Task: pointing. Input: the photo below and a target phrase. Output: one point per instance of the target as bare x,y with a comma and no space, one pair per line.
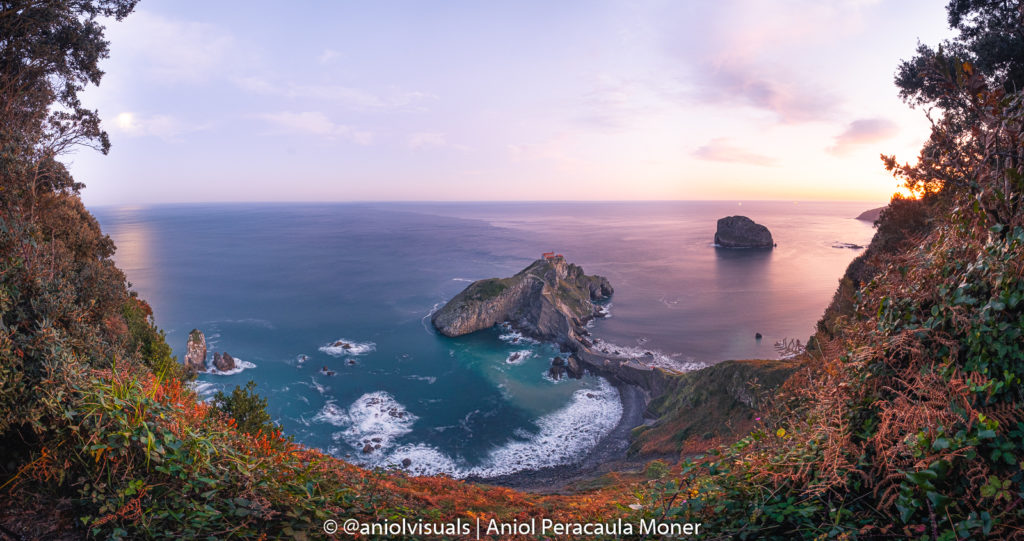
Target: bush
248,409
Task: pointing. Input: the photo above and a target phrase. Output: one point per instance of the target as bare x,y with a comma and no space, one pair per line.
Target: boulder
223,362
742,232
573,368
195,352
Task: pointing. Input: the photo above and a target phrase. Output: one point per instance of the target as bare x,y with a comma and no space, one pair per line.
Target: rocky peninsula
742,232
550,300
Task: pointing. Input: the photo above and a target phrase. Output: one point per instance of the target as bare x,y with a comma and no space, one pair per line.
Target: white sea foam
564,436
429,379
240,365
204,389
518,357
650,357
338,348
462,280
546,374
314,384
375,419
423,460
425,320
332,414
513,336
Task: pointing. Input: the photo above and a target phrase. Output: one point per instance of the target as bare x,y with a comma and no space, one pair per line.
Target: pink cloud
721,150
863,131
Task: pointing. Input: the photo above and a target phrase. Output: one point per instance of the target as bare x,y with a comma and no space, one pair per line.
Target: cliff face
550,300
699,410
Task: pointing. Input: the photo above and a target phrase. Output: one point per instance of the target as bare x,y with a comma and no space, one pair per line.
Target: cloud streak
390,100
752,53
425,140
721,150
175,51
315,123
862,132
165,127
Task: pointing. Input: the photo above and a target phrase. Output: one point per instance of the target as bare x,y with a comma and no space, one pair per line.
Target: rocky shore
604,457
552,300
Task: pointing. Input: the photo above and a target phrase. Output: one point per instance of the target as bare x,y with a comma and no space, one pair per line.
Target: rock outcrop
195,352
223,362
742,232
551,300
871,215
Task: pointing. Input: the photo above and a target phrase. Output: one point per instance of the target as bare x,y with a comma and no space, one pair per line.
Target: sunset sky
567,100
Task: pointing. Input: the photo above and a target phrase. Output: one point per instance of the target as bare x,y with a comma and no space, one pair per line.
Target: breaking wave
518,357
240,365
512,336
342,347
204,389
650,357
563,437
372,423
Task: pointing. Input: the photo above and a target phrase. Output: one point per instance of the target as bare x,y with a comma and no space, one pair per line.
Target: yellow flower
781,432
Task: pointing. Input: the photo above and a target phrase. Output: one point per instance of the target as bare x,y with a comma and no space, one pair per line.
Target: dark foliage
248,409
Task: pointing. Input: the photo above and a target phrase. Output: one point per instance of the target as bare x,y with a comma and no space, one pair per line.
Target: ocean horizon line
472,202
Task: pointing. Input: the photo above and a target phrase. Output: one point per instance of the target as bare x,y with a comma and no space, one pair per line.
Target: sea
279,285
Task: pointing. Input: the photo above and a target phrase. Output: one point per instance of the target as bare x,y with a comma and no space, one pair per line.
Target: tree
49,51
960,82
247,408
990,36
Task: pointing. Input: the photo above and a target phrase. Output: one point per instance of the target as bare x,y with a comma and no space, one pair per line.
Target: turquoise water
277,285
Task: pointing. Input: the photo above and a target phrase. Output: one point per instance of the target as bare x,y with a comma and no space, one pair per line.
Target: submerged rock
550,300
742,232
195,352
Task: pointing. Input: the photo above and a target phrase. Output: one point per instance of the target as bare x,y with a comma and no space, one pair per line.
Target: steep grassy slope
703,409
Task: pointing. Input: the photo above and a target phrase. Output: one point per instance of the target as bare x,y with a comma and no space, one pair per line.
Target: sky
505,101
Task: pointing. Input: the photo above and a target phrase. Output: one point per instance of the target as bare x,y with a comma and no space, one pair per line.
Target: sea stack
195,352
223,363
742,232
550,300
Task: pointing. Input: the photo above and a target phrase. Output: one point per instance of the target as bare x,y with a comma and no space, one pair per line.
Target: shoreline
609,450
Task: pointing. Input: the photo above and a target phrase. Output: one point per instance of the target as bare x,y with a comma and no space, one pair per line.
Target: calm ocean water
276,285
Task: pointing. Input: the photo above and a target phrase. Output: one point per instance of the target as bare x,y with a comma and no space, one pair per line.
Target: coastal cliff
550,300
